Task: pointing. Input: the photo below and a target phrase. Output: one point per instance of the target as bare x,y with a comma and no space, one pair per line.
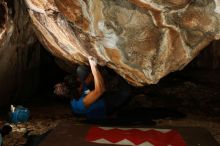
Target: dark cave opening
50,74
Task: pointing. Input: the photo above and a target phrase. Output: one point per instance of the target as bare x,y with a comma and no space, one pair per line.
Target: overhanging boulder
142,40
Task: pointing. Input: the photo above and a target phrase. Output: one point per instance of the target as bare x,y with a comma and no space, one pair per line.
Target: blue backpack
20,115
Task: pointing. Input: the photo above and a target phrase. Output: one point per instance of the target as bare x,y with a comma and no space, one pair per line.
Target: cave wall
19,53
216,55
209,59
205,68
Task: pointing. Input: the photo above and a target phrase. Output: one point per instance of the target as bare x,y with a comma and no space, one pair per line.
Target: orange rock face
142,40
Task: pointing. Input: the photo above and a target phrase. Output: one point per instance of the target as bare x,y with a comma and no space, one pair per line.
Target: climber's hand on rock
92,61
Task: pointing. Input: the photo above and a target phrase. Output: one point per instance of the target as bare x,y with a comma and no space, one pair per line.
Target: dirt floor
172,102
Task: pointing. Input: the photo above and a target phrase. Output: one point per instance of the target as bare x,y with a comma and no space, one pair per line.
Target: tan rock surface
141,40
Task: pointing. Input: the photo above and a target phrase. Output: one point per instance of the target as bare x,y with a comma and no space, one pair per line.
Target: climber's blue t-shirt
96,109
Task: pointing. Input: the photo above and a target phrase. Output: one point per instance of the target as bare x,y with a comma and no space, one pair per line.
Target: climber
99,101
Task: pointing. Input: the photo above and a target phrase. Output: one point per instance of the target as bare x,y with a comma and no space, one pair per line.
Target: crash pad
68,134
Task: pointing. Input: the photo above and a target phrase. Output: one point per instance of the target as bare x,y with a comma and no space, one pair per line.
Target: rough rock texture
142,40
19,58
